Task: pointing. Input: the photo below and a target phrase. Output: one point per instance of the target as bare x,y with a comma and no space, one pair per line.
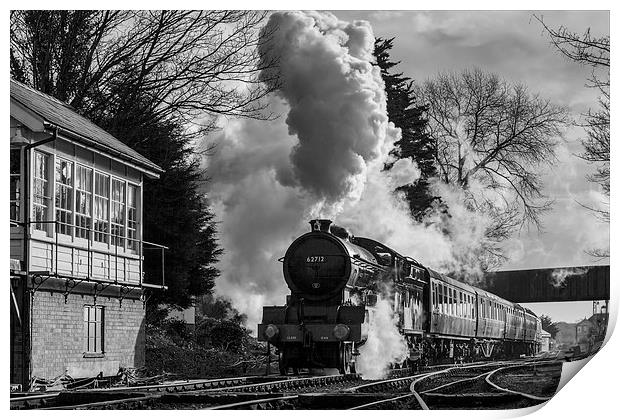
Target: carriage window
439,296
465,305
460,303
445,299
452,302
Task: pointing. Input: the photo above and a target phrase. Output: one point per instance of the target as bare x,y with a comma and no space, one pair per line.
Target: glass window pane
15,161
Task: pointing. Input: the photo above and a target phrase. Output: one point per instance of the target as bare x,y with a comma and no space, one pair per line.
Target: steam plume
384,345
269,178
337,103
559,275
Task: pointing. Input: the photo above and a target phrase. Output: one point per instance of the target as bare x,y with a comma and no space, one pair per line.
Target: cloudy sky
262,207
512,44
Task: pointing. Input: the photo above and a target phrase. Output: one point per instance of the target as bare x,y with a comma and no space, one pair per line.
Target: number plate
316,259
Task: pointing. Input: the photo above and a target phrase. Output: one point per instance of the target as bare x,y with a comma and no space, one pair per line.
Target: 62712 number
316,259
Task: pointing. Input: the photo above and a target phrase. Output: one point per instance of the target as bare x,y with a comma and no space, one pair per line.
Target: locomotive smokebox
320,225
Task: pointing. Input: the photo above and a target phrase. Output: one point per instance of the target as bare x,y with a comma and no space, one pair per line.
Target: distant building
599,325
583,330
590,333
566,335
76,244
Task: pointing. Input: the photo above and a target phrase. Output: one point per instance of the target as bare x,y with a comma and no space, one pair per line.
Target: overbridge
564,284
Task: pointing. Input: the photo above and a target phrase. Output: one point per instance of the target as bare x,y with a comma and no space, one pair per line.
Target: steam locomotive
336,280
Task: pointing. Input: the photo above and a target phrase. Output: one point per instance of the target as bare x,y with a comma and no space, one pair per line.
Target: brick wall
58,341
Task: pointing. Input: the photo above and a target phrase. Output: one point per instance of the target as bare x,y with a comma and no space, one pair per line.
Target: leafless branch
496,135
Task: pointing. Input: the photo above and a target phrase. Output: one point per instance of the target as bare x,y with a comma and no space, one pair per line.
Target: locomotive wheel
346,363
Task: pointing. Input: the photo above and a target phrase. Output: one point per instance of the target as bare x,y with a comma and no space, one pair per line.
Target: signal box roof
57,113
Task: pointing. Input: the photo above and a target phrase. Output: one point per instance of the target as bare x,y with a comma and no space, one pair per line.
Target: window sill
94,355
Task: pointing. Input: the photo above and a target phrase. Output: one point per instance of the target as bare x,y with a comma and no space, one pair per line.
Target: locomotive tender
335,281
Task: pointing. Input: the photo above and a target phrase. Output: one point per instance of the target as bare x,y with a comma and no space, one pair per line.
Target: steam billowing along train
336,280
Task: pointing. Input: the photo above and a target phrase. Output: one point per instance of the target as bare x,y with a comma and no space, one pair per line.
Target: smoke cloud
268,178
337,103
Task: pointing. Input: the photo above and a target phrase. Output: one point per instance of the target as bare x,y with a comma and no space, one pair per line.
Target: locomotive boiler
335,280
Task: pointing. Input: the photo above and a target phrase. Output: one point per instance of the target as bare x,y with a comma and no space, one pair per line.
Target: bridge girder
563,284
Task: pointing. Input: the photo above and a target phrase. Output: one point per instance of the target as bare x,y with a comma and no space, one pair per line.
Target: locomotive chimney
320,225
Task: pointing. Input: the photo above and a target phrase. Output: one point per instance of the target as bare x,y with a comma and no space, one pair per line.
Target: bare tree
492,140
187,63
591,51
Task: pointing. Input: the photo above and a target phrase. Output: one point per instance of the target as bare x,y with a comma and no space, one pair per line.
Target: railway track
47,399
483,385
196,393
481,390
414,388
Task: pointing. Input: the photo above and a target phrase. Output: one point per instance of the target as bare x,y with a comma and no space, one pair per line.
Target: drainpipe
27,213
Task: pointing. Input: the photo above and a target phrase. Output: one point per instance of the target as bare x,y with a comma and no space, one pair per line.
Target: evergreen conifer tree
409,117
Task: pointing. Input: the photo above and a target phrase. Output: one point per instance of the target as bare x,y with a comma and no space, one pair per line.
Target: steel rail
106,404
195,385
388,400
251,402
36,401
473,378
512,391
290,383
390,383
29,400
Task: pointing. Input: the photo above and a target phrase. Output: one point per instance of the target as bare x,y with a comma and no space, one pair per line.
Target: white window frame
15,186
66,227
119,241
133,233
94,338
104,234
47,196
83,231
